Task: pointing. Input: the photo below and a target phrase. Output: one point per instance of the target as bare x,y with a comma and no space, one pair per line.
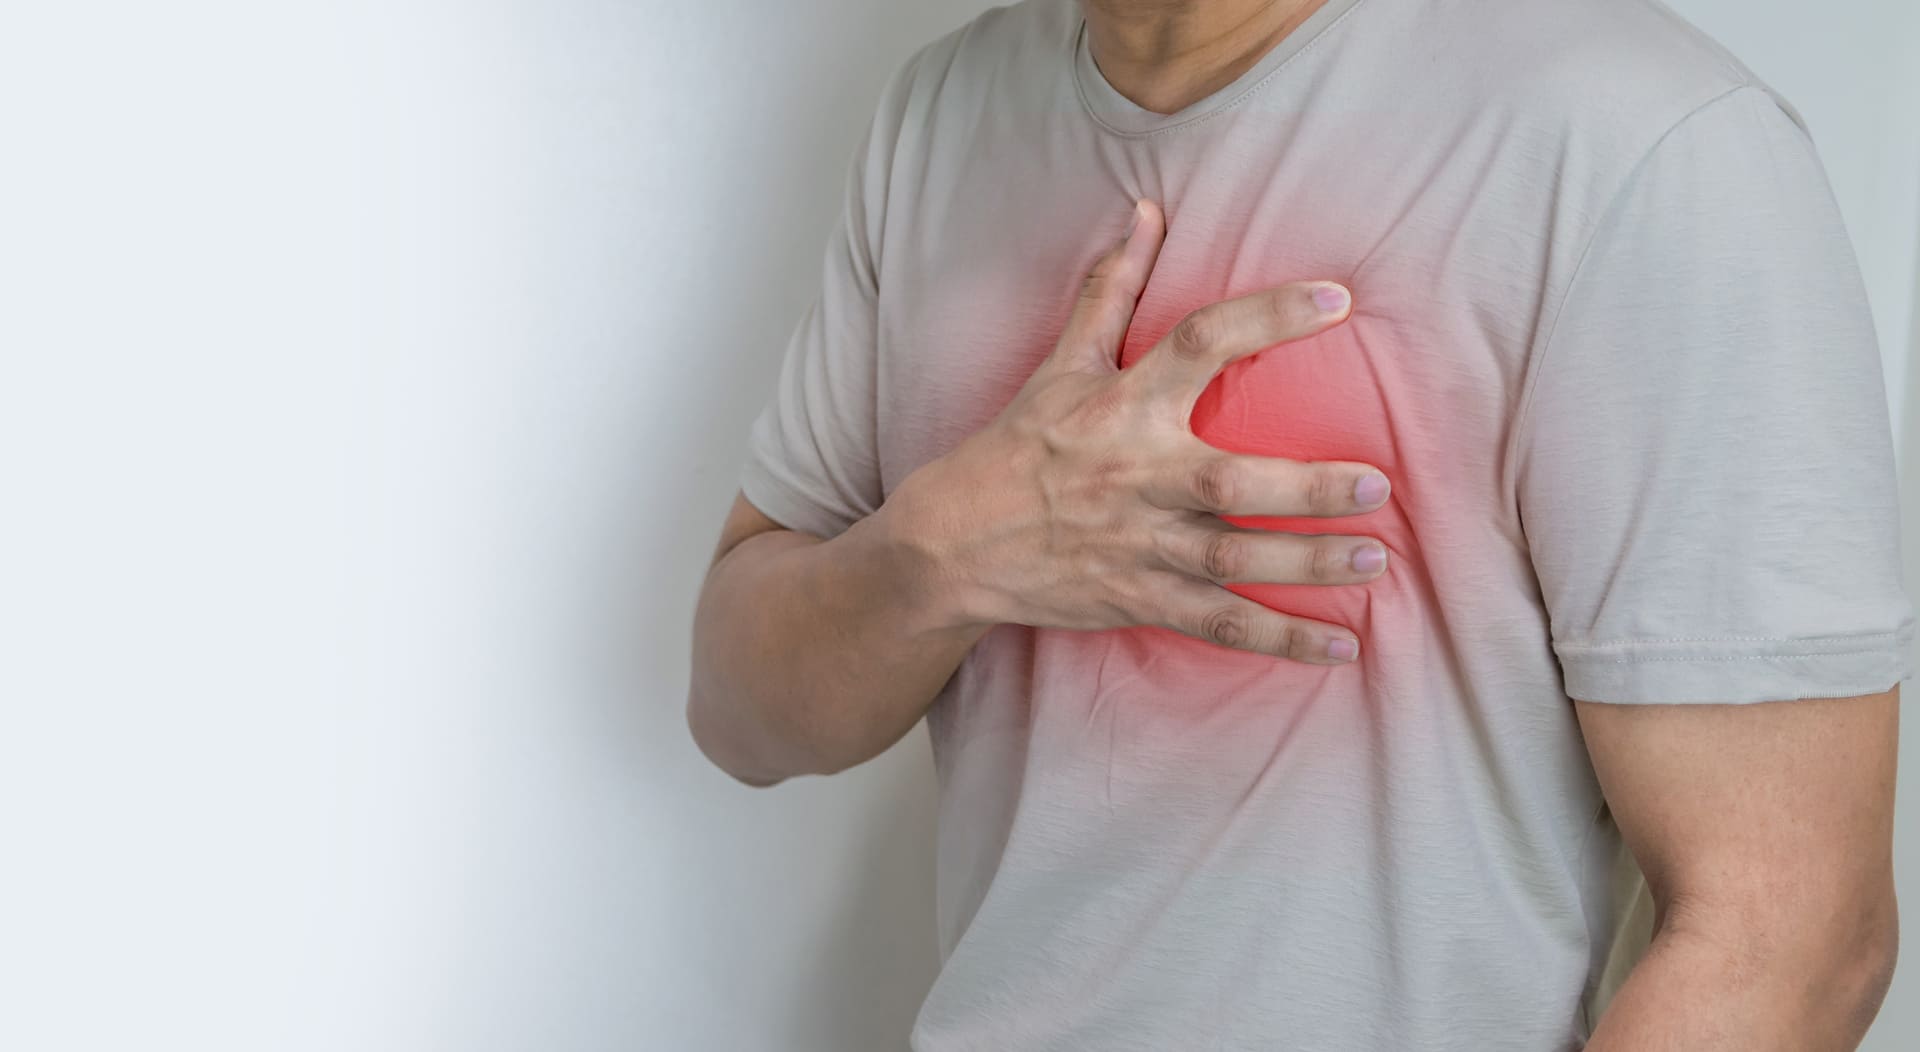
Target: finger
1209,612
1223,553
1100,317
1225,483
1178,368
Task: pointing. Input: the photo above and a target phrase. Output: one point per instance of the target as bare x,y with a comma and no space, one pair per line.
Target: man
1544,309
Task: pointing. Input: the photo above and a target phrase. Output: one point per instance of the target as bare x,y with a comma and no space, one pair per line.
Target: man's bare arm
810,656
1765,833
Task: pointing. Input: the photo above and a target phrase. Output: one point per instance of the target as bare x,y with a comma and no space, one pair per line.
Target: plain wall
376,376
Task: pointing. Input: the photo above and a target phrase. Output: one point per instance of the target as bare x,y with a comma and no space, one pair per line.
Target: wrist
914,533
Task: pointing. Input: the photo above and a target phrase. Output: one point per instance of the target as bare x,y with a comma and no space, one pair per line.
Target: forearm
1711,986
812,656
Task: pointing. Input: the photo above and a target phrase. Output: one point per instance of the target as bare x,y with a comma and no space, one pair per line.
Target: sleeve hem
1737,671
786,505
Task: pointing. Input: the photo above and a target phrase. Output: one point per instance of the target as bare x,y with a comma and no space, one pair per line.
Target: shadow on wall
798,917
876,953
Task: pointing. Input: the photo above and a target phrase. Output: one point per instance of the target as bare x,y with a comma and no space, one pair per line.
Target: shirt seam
1674,659
1664,640
1810,650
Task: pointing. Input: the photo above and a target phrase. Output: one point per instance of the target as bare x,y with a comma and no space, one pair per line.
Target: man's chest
1424,372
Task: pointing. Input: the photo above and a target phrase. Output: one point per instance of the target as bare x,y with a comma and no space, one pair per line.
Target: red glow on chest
1322,398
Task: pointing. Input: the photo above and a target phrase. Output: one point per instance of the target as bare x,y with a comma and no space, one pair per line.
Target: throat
1166,55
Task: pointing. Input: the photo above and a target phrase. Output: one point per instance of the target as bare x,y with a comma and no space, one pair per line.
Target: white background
375,379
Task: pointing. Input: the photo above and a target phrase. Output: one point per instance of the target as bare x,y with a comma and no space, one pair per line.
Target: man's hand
1089,503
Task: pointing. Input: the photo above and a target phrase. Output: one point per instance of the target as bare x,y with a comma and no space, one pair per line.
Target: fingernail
1370,490
1132,221
1369,558
1343,649
1331,299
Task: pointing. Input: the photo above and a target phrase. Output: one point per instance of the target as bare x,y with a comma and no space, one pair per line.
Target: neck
1165,55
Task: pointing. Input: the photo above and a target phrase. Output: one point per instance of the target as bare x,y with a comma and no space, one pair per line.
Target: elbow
1874,952
722,751
1831,955
1858,943
760,756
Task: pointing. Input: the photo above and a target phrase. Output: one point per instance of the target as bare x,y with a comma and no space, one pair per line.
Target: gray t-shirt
1610,344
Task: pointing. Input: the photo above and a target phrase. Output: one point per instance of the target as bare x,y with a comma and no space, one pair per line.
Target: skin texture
1766,833
811,656
1164,55
1765,830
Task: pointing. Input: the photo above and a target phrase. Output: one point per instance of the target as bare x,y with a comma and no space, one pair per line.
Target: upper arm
1705,480
1776,816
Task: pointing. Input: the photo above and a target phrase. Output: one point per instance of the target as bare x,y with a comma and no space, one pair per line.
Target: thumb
1098,324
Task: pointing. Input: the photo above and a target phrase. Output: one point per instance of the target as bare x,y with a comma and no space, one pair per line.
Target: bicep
1779,809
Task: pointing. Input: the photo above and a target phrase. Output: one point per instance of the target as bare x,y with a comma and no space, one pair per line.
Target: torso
1149,841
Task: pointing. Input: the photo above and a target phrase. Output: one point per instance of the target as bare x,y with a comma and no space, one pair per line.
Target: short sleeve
812,461
1705,467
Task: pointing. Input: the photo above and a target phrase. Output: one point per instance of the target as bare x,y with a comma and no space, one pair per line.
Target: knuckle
1225,625
1145,599
1322,566
1284,305
1098,280
1194,336
1217,485
1293,641
1323,491
1224,556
